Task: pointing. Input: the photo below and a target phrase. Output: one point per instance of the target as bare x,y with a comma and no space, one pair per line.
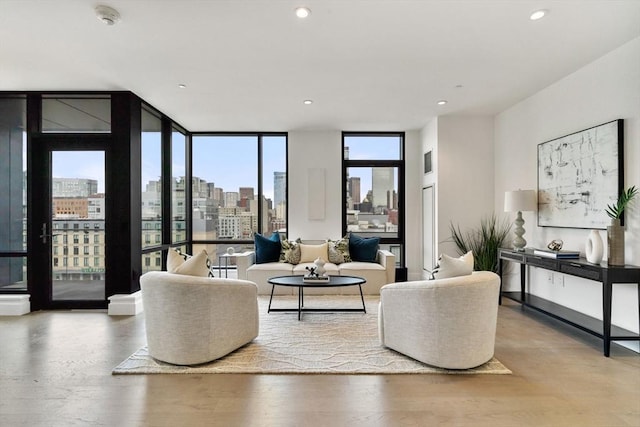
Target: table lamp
519,201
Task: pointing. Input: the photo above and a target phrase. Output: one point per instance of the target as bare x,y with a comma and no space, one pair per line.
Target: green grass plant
483,242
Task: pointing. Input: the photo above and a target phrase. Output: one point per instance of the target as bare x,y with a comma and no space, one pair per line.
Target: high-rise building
382,183
231,199
354,191
247,193
279,189
73,187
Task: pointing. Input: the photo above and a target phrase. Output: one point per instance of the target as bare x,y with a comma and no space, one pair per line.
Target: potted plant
483,242
615,232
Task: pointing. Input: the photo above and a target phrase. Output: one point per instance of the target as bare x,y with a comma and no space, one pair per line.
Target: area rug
321,343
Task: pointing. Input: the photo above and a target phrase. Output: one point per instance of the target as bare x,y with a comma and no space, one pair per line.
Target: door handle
44,234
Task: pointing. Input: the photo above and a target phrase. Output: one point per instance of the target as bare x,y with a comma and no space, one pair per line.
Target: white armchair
191,320
448,323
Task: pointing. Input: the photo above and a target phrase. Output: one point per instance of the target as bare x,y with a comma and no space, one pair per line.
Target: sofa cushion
348,268
339,250
363,249
267,249
309,253
453,267
197,265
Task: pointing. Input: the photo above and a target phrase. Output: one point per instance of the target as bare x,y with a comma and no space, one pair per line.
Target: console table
603,273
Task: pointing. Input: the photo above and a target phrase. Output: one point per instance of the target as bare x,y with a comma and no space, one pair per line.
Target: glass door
69,212
77,225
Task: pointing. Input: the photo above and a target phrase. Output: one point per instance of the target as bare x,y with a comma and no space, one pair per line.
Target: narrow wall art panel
579,175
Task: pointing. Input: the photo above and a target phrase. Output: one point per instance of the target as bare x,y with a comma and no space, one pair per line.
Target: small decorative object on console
230,250
555,245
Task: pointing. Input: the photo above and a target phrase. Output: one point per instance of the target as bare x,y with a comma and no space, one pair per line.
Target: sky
228,161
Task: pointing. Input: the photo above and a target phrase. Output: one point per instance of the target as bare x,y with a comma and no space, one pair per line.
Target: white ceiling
368,65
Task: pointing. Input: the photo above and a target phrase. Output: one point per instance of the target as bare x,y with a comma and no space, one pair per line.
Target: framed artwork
579,175
427,162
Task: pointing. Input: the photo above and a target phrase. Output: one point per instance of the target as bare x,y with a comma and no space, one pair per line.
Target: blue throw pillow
267,249
363,249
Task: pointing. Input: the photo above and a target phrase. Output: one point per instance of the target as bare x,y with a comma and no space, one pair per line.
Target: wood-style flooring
55,370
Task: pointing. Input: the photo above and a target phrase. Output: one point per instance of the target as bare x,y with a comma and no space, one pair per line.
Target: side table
226,258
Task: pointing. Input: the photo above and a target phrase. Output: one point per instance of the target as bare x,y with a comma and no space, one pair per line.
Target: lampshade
520,200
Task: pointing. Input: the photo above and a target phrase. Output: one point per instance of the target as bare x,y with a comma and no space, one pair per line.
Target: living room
476,159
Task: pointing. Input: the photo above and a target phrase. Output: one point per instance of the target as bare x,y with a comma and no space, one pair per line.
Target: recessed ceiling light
538,14
303,12
307,102
107,15
182,86
442,102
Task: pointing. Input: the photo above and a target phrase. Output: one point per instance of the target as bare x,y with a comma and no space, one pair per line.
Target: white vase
319,263
594,247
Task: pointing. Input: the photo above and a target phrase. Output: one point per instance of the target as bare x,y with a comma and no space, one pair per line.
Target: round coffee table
298,282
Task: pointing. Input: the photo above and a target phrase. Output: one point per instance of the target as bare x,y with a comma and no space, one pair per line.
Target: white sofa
377,274
449,323
191,320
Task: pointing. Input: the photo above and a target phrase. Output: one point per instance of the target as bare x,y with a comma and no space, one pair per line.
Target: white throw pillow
453,267
174,260
309,253
197,265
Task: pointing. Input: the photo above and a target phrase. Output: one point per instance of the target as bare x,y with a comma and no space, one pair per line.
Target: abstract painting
579,175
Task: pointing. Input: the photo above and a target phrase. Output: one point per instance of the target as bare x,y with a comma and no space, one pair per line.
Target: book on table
315,279
557,254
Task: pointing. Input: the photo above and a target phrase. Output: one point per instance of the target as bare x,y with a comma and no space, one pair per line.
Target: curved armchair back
449,323
191,320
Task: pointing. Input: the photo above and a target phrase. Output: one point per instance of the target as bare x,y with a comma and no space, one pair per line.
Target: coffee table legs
364,308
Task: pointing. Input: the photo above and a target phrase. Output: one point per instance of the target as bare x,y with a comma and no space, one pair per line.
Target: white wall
605,90
323,149
313,150
463,174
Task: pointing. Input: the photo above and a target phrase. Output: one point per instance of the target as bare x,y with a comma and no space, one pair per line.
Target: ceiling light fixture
307,102
538,14
107,15
442,102
303,12
182,86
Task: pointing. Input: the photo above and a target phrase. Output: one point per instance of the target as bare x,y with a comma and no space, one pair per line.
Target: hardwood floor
55,370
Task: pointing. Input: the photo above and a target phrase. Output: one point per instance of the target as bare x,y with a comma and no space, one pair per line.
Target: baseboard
631,345
15,305
125,304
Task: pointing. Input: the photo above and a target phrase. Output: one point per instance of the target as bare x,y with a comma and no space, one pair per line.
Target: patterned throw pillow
196,265
290,252
339,250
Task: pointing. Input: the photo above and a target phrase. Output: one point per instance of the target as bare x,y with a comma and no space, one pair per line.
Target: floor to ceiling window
151,196
373,196
239,187
13,186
